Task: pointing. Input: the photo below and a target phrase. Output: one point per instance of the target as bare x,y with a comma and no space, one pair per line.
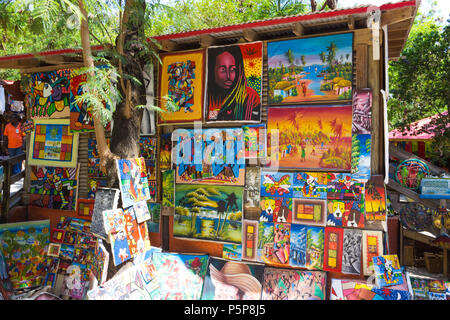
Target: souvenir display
133,181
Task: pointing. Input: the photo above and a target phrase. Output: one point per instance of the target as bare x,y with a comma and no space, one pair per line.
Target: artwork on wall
281,242
345,213
234,83
361,150
315,240
351,251
141,211
342,186
54,188
147,147
314,69
165,151
266,234
182,78
375,202
148,123
274,209
106,199
388,271
133,181
255,141
231,280
334,238
252,193
298,245
94,159
362,111
284,284
310,137
52,144
232,251
250,240
372,246
310,185
208,212
278,184
85,208
168,185
210,156
309,211
22,243
50,94
80,113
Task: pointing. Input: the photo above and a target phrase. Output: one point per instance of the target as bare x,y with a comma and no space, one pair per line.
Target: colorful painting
153,223
231,280
315,241
137,234
310,137
80,113
266,236
165,151
85,207
278,184
310,185
252,189
24,245
362,111
147,147
208,212
417,286
182,79
53,249
276,209
232,251
180,276
234,84
255,141
388,271
168,185
342,186
284,284
281,242
351,251
210,156
314,69
54,188
372,246
361,150
297,256
343,289
375,197
141,211
332,260
250,240
345,213
118,236
309,211
133,181
52,144
50,94
94,159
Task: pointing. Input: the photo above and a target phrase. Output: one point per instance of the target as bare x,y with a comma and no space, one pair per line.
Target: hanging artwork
94,160
133,181
85,207
278,184
266,234
165,151
281,242
332,260
141,211
52,144
54,188
234,83
362,111
180,276
80,113
309,211
351,251
250,240
148,123
342,186
372,246
298,245
210,156
231,280
276,209
284,284
137,234
168,185
155,216
147,147
375,198
388,271
345,213
24,245
310,185
182,79
252,189
115,226
361,150
315,240
255,141
208,212
232,251
50,94
310,137
106,199
314,69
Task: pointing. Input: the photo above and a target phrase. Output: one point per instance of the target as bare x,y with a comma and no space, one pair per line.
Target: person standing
13,141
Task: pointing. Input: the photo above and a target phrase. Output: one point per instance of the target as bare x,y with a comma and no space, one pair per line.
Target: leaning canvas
133,181
106,199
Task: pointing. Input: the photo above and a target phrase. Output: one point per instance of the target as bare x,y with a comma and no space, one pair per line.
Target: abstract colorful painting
375,197
180,276
362,111
234,84
274,209
334,238
24,245
345,213
94,159
297,256
210,156
310,185
310,69
182,79
310,137
315,241
361,150
276,184
255,141
137,234
252,191
52,144
231,280
342,186
351,251
133,181
50,94
284,284
372,246
54,188
388,271
281,242
147,147
165,151
250,240
309,211
85,207
80,113
208,212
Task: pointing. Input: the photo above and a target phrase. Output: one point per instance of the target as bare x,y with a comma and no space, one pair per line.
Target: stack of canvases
323,210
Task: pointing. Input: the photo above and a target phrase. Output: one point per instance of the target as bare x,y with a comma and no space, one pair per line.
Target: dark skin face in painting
225,70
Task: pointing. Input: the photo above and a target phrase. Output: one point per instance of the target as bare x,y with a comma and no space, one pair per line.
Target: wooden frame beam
206,40
168,45
298,29
250,35
396,15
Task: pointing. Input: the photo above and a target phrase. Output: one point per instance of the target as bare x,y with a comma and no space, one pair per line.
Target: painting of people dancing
208,212
310,69
310,137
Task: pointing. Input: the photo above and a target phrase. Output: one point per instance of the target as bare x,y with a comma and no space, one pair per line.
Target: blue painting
298,245
361,147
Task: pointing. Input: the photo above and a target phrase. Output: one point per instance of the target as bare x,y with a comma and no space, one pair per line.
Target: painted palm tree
303,60
332,48
323,57
291,58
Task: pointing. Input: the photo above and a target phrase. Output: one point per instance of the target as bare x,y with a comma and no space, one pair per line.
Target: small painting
53,249
275,209
276,184
372,246
80,113
361,150
250,240
362,111
351,251
332,260
375,198
315,240
309,211
255,141
168,185
141,211
310,185
252,189
281,242
266,233
133,181
388,271
232,251
297,256
165,151
85,207
153,224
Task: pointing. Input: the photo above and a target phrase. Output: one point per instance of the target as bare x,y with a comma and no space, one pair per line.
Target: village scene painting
310,137
208,212
310,69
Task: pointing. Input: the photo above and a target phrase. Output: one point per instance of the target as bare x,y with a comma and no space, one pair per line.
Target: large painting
310,69
80,113
310,137
234,83
208,212
210,156
52,144
182,79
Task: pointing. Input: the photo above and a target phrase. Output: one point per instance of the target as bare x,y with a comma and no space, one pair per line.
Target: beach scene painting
310,69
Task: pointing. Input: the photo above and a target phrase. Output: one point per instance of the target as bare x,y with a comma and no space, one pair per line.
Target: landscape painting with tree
315,69
208,212
310,137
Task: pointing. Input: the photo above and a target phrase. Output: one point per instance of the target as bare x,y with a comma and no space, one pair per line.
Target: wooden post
443,204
